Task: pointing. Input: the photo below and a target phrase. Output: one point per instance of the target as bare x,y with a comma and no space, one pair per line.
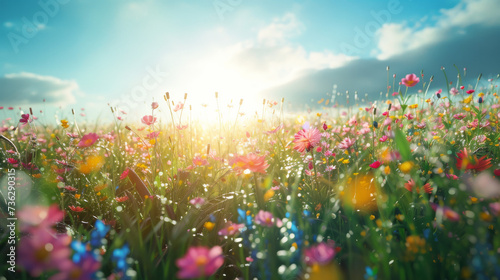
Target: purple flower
264,218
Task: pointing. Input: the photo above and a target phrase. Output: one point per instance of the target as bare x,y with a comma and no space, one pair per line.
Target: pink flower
179,106
495,208
453,91
199,161
395,93
459,116
85,269
346,143
43,251
375,164
383,138
88,140
148,120
231,229
410,80
39,217
321,254
12,161
154,105
252,162
264,218
197,201
153,135
306,139
200,262
470,91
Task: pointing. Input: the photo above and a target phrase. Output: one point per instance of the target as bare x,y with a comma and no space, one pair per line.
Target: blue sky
127,53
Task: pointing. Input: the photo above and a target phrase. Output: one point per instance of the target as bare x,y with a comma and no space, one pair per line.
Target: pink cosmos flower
154,105
148,120
459,116
347,143
252,162
231,229
321,254
200,262
43,251
470,91
495,208
25,118
410,80
88,140
383,138
264,218
306,139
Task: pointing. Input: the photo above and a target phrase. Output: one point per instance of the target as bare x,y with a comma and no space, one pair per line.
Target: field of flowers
401,188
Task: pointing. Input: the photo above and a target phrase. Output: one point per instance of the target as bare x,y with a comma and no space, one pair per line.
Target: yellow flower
414,106
346,161
92,163
64,123
406,167
209,226
268,195
77,196
387,170
467,100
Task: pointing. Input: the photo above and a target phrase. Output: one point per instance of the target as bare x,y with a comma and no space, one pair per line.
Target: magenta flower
88,140
264,218
25,118
346,143
43,251
321,254
410,80
200,262
375,164
231,229
470,91
148,120
306,139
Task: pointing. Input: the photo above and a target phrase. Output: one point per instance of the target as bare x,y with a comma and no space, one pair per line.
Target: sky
88,54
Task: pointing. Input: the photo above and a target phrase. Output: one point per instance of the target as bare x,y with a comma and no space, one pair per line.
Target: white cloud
270,58
28,88
398,38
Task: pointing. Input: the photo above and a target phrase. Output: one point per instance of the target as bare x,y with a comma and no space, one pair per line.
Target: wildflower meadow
403,187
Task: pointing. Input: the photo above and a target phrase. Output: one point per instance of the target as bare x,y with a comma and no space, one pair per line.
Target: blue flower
371,274
99,232
120,257
80,251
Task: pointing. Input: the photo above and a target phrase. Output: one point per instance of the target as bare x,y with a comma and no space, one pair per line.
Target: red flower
466,161
124,174
470,91
496,172
76,208
375,164
306,139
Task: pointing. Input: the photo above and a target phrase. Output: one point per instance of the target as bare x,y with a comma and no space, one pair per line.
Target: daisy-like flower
410,80
306,139
252,162
468,162
88,140
76,208
121,198
411,186
375,164
200,262
199,161
265,218
347,143
459,116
